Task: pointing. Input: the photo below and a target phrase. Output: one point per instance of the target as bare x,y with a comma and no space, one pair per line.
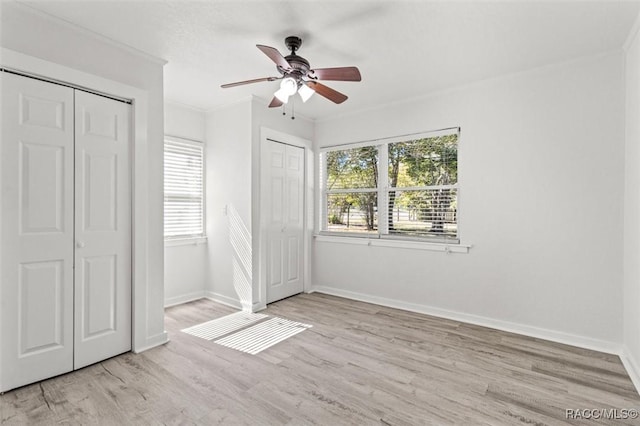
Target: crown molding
97,36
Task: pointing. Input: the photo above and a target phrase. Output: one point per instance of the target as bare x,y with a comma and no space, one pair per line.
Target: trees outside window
352,181
414,195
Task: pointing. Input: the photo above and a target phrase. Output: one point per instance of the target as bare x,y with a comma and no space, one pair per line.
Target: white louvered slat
183,188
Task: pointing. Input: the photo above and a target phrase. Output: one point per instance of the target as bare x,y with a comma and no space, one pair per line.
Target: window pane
352,168
352,212
424,162
183,189
426,213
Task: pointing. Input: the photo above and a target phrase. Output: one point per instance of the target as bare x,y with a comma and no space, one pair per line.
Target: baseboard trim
540,333
259,306
225,300
185,298
196,295
152,342
631,366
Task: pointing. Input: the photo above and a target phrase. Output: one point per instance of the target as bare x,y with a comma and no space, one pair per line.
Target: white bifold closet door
65,230
102,229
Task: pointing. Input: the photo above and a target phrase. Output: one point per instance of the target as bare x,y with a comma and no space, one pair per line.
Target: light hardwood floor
359,364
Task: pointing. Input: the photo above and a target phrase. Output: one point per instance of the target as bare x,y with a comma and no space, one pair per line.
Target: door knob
80,244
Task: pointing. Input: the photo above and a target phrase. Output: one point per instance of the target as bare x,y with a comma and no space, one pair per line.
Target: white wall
43,37
228,153
541,173
632,210
185,122
233,170
185,265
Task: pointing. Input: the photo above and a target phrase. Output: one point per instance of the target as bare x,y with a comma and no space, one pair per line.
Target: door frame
146,330
260,245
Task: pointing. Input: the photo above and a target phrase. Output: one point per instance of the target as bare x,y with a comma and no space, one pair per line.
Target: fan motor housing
300,66
293,43
298,63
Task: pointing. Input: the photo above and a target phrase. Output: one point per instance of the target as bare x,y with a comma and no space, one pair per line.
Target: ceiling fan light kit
298,77
288,87
305,92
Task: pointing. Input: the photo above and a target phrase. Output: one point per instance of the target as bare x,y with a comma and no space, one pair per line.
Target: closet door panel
283,200
103,229
36,231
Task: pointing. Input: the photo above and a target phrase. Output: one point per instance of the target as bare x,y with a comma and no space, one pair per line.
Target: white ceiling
403,49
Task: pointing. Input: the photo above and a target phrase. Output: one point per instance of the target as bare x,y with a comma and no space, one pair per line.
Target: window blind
183,189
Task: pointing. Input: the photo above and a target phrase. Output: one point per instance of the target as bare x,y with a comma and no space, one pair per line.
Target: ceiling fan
298,77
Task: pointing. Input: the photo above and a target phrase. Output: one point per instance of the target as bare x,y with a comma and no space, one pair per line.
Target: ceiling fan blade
327,92
255,80
275,102
275,56
337,74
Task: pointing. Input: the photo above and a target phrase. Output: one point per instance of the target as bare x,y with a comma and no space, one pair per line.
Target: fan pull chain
293,111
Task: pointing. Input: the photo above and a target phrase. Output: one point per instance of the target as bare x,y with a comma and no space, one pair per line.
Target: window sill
394,243
189,241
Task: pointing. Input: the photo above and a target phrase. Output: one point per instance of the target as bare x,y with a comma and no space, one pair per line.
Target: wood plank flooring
359,364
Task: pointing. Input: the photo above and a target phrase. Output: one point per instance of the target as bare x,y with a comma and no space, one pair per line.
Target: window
352,189
399,188
183,188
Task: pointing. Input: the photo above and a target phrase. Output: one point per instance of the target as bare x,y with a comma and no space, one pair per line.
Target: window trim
365,240
185,239
395,240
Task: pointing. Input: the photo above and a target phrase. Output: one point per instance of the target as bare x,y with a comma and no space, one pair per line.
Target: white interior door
283,202
36,232
65,247
102,229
